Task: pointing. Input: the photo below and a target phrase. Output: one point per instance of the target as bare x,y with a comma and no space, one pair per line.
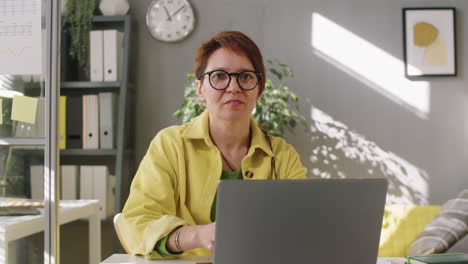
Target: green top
225,175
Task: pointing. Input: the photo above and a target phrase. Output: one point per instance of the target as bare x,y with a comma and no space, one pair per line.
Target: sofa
420,230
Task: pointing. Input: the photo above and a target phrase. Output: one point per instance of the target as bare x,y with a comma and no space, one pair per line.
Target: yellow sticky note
24,109
1,111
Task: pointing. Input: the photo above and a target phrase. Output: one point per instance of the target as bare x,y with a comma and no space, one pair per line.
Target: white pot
114,7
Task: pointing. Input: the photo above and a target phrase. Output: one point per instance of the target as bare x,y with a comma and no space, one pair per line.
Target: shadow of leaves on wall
339,152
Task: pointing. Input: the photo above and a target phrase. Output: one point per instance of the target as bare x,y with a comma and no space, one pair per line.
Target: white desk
16,227
128,259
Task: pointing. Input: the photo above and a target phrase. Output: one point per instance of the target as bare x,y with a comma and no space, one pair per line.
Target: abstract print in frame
429,41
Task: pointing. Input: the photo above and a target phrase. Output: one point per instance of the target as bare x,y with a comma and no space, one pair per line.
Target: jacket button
249,174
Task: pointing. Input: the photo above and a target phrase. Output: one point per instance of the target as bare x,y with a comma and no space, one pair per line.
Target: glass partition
22,204
26,117
28,159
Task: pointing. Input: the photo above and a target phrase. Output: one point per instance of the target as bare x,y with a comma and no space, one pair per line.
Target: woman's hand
190,237
206,236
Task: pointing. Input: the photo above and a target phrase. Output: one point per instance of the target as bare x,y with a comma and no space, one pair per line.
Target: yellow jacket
178,177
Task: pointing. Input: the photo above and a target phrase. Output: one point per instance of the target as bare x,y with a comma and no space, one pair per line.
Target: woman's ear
259,94
198,83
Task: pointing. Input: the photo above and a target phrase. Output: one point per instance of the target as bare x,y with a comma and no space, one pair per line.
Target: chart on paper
20,37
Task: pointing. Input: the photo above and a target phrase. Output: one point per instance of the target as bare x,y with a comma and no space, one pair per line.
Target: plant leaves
276,73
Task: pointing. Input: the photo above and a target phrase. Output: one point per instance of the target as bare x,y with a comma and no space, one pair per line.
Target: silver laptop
332,221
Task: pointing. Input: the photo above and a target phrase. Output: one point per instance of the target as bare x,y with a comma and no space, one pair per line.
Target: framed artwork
429,41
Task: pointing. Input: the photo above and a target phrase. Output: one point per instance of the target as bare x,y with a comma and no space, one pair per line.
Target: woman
170,209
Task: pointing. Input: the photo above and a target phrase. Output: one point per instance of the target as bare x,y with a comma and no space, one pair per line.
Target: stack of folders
69,182
449,258
106,53
79,182
92,123
99,113
97,183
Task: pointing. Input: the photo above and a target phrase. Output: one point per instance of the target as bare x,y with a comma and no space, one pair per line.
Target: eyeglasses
220,79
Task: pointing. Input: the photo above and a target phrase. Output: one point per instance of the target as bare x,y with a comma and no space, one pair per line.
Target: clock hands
169,17
178,10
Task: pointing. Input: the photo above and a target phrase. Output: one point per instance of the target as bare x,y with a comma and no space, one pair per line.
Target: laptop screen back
330,221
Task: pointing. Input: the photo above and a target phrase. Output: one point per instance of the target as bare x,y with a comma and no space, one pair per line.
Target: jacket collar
198,128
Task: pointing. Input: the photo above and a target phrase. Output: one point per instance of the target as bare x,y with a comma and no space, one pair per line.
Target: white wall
435,142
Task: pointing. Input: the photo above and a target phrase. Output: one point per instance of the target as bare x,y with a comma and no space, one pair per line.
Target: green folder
453,258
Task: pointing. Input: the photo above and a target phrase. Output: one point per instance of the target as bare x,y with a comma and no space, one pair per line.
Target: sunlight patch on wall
369,64
339,152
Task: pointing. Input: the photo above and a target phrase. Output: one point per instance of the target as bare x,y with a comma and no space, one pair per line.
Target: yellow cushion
401,225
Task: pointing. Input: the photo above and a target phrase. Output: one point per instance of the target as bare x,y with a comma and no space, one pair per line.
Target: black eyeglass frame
230,74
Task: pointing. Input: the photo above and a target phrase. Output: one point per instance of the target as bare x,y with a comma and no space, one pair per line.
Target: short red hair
237,42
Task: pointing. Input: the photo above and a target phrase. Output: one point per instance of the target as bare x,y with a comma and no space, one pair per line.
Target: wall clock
170,20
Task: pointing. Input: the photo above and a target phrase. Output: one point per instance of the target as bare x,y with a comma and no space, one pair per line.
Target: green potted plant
276,111
77,23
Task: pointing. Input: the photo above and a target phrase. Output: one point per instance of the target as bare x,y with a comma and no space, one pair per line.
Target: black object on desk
18,210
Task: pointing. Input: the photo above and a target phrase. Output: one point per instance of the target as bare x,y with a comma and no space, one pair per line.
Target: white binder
90,121
86,182
107,119
113,53
69,177
102,189
96,55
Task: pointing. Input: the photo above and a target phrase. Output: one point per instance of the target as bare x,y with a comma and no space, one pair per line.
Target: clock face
170,20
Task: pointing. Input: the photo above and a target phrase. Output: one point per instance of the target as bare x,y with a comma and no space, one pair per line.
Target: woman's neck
230,135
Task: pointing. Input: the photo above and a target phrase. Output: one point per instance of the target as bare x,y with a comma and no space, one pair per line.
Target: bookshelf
119,159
